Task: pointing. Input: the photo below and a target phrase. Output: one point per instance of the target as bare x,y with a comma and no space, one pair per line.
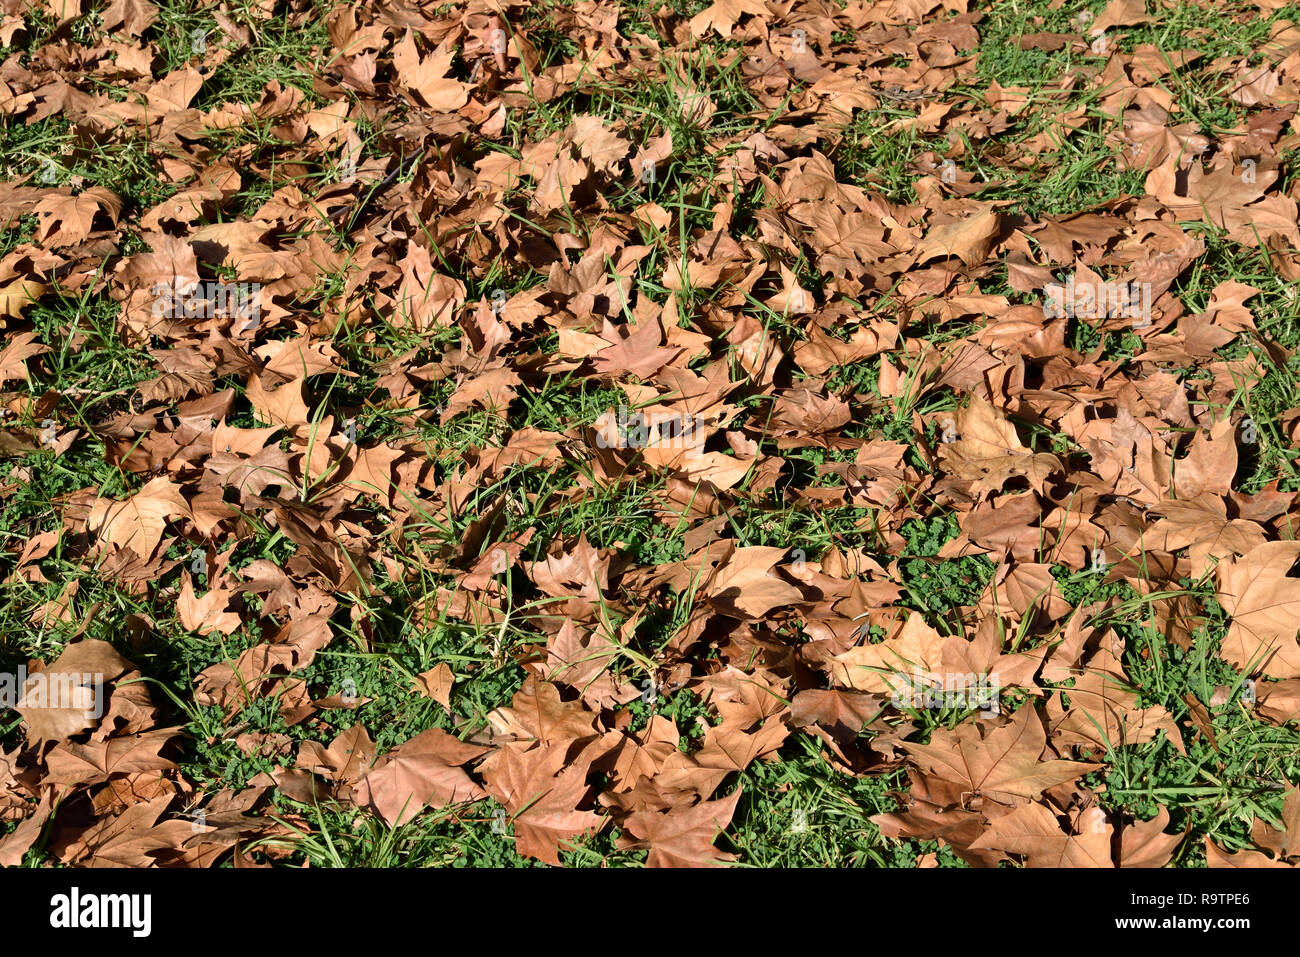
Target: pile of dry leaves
781,274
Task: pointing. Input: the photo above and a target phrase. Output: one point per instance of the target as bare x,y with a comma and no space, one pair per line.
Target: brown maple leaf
1264,602
542,791
682,837
17,350
743,582
70,694
537,712
134,838
970,238
1033,832
722,16
636,351
1281,842
138,522
1002,763
345,761
425,770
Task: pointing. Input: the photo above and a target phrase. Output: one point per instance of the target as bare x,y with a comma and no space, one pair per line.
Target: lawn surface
649,433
